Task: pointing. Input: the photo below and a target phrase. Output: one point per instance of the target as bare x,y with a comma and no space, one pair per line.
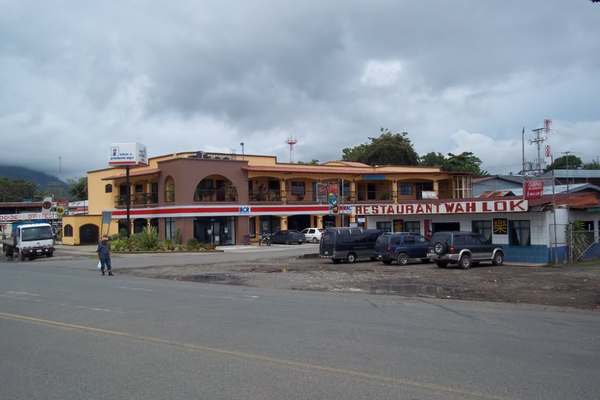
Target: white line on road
140,289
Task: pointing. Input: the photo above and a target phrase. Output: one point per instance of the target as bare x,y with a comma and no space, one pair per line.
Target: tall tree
566,162
388,149
312,162
464,162
433,159
78,188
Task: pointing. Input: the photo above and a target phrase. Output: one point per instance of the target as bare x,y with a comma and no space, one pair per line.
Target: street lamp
242,144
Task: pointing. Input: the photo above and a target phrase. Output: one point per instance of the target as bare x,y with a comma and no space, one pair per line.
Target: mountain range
43,181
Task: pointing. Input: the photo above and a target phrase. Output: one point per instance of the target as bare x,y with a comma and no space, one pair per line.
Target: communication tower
291,141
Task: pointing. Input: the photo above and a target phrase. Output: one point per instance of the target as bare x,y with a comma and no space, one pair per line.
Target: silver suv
463,248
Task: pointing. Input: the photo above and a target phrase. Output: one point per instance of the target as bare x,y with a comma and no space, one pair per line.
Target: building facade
223,198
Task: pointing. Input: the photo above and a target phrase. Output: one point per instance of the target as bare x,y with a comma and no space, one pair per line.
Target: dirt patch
571,286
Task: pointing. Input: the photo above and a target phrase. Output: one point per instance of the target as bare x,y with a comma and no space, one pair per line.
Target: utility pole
538,141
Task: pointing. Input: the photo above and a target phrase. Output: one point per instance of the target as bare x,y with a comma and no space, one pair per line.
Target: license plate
39,251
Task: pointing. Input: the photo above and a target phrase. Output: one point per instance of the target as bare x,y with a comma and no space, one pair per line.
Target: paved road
68,333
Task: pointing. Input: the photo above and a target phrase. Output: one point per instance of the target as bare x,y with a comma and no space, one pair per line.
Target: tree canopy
566,162
78,188
464,162
388,149
16,190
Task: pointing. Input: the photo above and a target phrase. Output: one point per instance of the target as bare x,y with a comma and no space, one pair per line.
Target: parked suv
464,249
401,247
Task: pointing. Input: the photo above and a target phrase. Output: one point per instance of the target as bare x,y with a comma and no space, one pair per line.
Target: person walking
104,256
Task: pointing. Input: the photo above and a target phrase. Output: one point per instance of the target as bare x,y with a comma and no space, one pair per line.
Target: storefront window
483,227
385,225
412,226
170,228
519,233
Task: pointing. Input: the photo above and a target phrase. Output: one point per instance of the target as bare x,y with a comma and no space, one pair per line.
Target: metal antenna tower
538,141
291,141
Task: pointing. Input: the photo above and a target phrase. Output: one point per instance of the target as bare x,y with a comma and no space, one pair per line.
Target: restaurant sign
459,207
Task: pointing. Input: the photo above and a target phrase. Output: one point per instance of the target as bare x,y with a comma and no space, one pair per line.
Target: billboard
121,154
333,199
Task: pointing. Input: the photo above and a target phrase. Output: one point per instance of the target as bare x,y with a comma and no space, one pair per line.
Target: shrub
192,244
148,238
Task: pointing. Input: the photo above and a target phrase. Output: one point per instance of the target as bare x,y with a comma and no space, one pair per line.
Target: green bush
148,239
192,244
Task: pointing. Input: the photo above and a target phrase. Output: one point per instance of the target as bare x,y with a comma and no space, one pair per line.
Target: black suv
464,249
401,247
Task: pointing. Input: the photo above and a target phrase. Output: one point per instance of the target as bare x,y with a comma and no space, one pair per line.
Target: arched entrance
89,234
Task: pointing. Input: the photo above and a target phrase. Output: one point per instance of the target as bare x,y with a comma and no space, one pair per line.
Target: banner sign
322,192
27,216
333,198
461,207
534,189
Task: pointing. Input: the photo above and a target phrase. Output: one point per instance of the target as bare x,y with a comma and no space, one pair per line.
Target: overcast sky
185,75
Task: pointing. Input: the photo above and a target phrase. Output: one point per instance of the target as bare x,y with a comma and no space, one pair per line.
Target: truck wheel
402,259
465,262
350,258
22,257
498,258
50,254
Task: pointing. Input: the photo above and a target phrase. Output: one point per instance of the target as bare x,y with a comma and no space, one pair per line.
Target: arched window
68,231
108,188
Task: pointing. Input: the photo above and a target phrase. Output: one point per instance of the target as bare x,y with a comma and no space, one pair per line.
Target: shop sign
500,226
461,207
534,189
127,154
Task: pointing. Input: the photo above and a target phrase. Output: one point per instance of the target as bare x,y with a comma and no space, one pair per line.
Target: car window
459,240
409,240
423,239
395,240
305,230
441,238
382,240
472,240
482,239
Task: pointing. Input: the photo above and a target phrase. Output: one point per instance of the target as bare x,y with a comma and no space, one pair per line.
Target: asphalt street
69,333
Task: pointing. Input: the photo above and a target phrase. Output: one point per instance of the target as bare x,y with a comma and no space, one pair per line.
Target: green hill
44,182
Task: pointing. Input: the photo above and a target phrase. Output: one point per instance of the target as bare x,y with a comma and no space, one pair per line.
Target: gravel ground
565,286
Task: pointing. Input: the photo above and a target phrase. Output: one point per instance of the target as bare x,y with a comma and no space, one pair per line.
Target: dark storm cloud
458,76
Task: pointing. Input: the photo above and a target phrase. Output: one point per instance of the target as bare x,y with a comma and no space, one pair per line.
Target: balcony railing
137,199
215,195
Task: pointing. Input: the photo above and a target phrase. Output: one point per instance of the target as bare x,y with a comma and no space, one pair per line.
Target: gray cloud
457,76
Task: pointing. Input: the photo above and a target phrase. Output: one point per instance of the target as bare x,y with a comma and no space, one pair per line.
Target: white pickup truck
29,241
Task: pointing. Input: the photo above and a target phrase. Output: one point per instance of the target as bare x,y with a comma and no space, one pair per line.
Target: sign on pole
127,154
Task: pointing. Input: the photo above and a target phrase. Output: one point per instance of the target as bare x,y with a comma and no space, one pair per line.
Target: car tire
351,258
440,248
23,257
441,264
315,240
386,262
287,241
50,254
402,259
498,258
465,262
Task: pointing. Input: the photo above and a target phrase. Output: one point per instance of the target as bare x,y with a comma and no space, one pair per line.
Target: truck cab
30,241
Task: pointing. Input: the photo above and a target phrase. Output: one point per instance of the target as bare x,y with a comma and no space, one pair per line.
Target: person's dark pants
105,263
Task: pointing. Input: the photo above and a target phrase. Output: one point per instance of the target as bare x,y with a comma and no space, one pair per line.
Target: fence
568,245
